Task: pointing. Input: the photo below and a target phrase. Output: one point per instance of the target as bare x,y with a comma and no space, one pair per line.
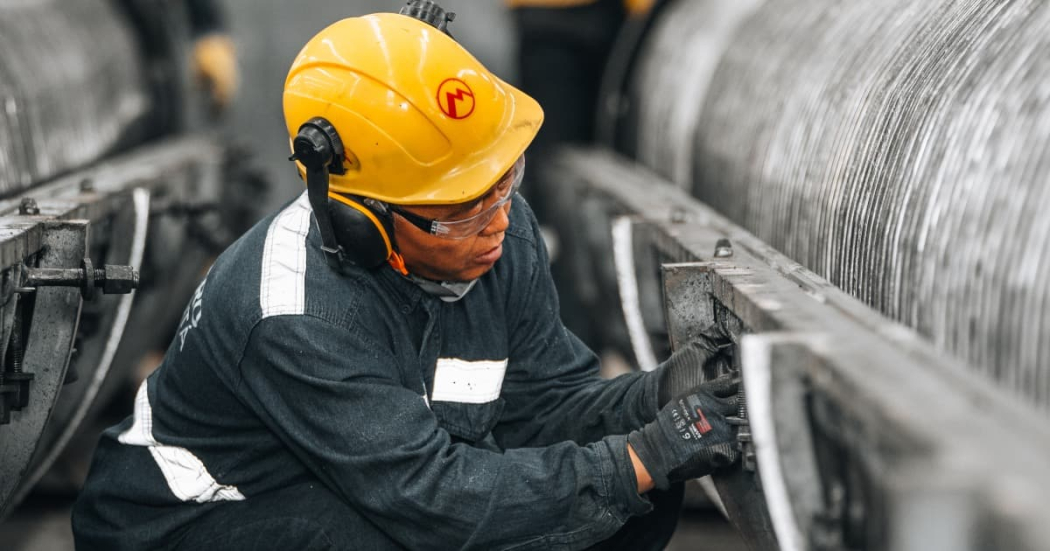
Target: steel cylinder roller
71,88
900,149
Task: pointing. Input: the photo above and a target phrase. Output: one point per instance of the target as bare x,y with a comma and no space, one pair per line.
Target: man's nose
500,222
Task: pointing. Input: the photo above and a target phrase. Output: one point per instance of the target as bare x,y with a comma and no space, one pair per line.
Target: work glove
690,437
685,369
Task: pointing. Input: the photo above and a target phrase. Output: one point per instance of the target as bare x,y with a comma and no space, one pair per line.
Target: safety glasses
463,228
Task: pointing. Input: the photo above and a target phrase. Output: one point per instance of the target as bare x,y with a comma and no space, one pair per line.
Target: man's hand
684,370
690,436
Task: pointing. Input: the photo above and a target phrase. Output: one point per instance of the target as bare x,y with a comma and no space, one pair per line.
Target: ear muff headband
367,212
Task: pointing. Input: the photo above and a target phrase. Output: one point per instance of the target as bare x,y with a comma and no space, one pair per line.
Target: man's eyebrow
464,207
452,210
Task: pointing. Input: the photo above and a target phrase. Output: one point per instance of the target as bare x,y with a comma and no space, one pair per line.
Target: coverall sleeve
334,398
552,388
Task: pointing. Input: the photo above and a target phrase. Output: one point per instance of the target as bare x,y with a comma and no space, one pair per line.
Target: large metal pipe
71,87
899,149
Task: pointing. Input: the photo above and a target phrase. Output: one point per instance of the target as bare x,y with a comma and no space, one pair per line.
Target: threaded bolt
17,353
741,406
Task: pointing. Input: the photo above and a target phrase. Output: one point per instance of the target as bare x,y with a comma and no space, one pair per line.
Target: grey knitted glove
690,436
684,370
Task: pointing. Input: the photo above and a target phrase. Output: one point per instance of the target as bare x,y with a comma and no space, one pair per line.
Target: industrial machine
856,191
109,183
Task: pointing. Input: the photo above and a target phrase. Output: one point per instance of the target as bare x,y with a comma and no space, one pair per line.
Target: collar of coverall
448,291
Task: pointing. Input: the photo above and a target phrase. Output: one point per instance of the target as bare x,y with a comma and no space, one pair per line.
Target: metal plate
52,328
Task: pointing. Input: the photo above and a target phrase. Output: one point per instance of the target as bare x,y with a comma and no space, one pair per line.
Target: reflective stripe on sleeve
282,290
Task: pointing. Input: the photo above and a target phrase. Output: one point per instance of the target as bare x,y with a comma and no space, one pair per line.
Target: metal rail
865,436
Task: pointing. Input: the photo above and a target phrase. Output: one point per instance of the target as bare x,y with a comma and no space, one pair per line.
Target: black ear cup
352,232
366,236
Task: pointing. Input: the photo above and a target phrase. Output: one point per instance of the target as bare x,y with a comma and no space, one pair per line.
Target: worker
380,364
162,29
214,56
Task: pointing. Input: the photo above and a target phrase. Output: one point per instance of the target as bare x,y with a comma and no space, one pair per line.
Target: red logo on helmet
455,98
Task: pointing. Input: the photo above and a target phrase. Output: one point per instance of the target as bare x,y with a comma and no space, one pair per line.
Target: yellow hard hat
422,122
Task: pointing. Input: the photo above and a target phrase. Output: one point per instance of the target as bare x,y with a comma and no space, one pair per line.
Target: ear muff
366,234
353,232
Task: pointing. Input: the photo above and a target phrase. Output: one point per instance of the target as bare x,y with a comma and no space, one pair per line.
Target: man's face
441,259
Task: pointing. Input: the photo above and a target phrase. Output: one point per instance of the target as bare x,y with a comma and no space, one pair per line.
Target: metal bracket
49,342
14,381
689,308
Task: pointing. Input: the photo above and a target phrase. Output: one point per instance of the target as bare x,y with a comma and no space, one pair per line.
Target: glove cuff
649,454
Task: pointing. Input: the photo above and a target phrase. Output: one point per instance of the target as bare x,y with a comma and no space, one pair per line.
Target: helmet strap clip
317,192
320,150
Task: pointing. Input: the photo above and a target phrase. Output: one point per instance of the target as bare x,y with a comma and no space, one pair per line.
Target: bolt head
28,207
679,215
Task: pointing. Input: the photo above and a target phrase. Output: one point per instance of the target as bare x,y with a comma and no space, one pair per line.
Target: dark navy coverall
364,413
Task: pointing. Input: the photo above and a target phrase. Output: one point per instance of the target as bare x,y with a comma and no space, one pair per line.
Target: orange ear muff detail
397,262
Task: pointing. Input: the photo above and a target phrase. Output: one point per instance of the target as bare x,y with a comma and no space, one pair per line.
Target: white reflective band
627,284
282,289
476,382
184,472
757,351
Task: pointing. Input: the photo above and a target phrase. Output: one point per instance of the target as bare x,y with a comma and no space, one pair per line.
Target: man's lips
491,256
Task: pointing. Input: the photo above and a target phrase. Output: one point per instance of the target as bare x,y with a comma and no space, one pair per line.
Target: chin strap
317,192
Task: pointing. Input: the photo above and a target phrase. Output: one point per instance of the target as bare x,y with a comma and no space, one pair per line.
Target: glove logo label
455,98
701,424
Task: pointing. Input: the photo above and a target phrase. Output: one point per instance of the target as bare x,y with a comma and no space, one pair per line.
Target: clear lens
468,227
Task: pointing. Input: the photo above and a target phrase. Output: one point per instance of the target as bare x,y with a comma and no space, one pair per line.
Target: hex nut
120,280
